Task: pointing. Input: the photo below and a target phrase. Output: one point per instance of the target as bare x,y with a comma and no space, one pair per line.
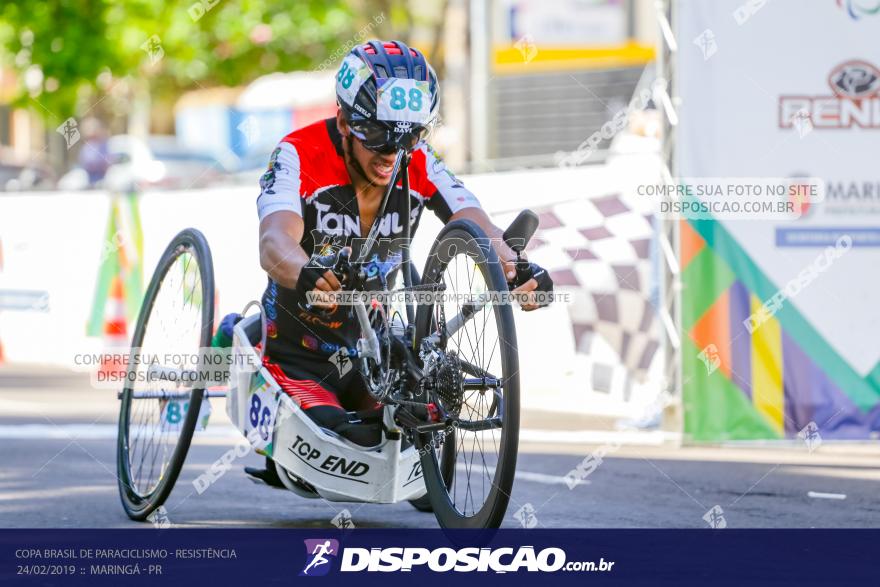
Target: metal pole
480,36
668,226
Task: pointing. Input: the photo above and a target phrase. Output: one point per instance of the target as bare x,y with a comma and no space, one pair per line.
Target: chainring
378,375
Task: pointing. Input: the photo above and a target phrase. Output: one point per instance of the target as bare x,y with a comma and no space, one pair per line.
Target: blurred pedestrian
94,155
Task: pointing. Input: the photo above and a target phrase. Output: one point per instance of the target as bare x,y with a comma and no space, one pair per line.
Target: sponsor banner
826,236
778,312
382,557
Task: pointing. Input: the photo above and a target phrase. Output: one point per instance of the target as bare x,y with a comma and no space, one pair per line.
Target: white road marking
546,479
820,495
522,476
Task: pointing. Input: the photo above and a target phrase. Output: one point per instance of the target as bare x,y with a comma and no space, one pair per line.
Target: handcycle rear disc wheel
469,474
176,320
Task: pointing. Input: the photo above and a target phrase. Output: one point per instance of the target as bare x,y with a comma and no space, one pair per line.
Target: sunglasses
385,141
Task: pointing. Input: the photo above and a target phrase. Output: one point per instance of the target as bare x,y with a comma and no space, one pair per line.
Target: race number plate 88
403,100
174,413
261,409
350,77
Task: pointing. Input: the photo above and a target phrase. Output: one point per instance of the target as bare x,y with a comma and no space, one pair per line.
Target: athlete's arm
281,222
281,255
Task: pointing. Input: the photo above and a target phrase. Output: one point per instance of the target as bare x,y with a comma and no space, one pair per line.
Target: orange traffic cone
113,360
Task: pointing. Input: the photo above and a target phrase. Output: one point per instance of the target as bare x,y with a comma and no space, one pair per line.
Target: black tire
423,504
463,241
140,497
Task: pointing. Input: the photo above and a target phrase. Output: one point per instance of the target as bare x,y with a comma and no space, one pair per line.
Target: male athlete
322,192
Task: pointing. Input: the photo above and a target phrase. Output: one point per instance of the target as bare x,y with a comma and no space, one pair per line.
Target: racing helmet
388,95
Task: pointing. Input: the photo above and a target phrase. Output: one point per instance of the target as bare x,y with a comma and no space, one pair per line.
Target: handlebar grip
523,272
337,263
342,266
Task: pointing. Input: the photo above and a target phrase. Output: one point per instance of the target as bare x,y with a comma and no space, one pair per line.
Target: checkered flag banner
599,249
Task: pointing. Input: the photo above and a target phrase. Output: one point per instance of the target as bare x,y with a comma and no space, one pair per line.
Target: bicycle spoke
476,456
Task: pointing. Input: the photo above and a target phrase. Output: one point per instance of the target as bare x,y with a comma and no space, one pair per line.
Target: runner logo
462,560
854,101
319,553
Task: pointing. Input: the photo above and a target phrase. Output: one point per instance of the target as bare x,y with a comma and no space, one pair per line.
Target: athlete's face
375,167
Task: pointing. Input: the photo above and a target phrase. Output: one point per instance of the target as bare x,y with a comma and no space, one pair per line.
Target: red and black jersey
307,175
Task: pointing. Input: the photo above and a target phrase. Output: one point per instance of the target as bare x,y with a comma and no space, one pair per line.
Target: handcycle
445,371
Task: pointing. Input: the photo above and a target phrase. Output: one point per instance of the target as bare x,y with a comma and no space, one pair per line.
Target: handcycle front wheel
157,419
469,468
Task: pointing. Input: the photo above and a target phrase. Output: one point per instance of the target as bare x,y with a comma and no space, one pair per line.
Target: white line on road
820,495
546,479
524,476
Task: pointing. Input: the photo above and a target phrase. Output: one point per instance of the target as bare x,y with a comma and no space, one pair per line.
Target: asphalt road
57,469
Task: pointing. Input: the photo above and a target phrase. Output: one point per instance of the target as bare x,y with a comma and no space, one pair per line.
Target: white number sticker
351,76
262,407
403,100
174,412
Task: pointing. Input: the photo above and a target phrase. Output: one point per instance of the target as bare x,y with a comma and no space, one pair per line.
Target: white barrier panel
51,245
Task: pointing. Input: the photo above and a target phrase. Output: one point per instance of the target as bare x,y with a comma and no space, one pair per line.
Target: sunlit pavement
57,469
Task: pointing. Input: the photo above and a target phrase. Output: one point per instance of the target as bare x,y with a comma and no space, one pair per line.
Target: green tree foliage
69,54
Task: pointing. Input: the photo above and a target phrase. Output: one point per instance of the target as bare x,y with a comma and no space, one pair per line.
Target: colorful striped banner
753,385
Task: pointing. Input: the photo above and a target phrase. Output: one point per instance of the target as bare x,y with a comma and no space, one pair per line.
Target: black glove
314,270
526,271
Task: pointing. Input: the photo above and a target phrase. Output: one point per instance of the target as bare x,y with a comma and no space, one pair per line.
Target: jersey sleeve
445,194
280,184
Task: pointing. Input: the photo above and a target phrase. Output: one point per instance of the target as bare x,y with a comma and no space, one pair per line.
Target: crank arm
479,425
431,427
